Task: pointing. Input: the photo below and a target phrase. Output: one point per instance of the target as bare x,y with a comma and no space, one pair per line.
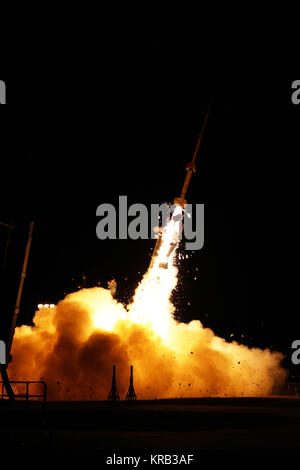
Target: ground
195,425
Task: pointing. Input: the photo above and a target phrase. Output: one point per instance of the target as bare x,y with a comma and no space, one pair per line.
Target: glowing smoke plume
74,345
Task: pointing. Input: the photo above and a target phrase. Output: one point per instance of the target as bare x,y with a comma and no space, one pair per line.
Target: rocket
191,167
181,201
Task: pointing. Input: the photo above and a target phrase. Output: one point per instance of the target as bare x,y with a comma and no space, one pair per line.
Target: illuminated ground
202,424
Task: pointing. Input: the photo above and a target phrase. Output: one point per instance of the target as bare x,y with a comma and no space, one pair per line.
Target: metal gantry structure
3,367
113,396
131,395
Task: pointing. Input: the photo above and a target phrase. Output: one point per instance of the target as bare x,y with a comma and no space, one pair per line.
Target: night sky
115,109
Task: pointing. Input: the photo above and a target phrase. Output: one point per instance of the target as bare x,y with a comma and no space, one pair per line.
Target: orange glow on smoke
73,345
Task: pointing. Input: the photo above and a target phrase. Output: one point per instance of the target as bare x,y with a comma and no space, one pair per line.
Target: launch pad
206,424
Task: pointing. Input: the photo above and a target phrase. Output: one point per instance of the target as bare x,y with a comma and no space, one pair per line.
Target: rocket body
181,201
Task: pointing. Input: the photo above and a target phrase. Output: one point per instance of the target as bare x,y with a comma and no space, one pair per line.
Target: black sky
98,112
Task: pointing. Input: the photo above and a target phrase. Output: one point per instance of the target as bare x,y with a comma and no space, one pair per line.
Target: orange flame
73,345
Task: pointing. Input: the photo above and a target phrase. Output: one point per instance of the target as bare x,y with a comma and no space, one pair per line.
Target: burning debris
112,285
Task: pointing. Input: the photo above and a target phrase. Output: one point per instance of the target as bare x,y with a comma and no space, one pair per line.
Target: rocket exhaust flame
181,202
74,345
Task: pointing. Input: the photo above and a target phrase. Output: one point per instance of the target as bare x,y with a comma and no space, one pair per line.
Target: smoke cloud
73,346
74,356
